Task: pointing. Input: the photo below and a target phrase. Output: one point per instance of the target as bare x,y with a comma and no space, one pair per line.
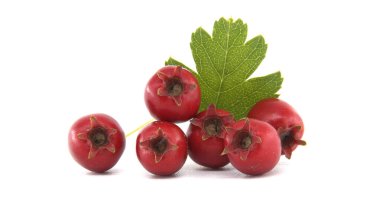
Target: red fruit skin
165,108
206,152
281,116
264,156
173,160
104,159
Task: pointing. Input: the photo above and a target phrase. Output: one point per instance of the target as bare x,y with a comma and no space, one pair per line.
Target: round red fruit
173,94
284,119
206,137
253,147
161,148
96,142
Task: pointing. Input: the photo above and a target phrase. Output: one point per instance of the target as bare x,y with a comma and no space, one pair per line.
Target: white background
60,60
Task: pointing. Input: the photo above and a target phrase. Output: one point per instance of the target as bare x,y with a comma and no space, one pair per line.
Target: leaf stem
138,128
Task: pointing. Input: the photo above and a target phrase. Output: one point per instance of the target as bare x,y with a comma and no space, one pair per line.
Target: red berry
253,147
173,94
284,119
206,137
96,142
161,148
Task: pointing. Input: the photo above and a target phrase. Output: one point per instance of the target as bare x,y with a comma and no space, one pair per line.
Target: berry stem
138,128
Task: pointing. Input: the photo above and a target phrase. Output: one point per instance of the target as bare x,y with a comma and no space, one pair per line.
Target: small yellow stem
139,128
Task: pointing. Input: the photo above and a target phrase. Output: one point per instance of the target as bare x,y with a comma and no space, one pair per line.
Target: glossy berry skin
253,147
96,142
161,148
206,137
172,94
284,119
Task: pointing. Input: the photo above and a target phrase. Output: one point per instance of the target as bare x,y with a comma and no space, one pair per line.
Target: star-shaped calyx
174,85
98,137
213,123
289,139
243,142
158,144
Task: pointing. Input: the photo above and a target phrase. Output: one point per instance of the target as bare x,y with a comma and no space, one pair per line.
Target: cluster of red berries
253,145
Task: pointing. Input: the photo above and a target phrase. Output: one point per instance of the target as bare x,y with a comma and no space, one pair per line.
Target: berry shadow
157,177
107,173
227,172
197,171
207,169
273,173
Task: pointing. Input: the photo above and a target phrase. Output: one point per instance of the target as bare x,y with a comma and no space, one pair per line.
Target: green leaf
224,63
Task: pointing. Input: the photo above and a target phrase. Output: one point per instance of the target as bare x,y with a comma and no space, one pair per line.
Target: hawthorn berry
253,147
173,94
96,142
284,119
161,148
206,137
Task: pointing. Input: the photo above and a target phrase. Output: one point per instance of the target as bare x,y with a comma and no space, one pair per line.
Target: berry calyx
284,119
161,148
253,147
96,142
206,135
289,140
159,145
172,94
244,140
174,86
98,136
213,123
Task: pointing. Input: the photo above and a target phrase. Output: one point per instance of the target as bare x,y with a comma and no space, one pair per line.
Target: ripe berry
253,147
173,94
96,142
206,137
161,148
284,119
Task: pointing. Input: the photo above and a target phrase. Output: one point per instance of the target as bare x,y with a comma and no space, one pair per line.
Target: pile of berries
252,145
